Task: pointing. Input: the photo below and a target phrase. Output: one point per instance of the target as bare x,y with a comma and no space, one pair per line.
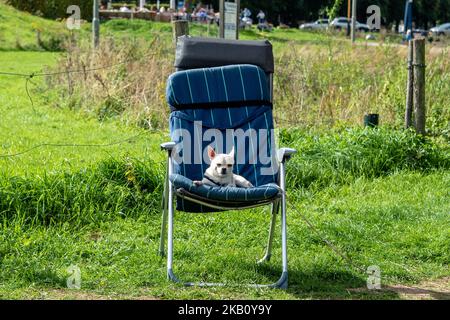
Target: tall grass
335,84
344,155
324,83
129,187
115,187
128,80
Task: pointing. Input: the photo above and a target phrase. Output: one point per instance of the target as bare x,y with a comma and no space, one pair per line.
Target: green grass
376,222
18,31
347,154
382,196
22,127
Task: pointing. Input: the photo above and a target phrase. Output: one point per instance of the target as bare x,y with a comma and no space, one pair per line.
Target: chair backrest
222,107
197,52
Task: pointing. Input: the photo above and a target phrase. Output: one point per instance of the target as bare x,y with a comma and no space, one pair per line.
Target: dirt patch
68,294
438,289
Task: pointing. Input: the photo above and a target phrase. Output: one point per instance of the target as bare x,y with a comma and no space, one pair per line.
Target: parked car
420,32
441,30
320,24
343,23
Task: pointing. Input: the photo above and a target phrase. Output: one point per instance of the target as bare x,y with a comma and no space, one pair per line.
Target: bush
128,187
342,156
113,188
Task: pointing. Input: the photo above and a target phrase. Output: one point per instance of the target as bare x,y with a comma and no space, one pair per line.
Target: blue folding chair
221,96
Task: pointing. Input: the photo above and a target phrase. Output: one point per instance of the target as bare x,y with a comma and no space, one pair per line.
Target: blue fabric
212,85
260,193
248,128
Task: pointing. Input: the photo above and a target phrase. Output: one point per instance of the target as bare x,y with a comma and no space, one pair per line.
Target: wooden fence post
409,87
180,28
419,85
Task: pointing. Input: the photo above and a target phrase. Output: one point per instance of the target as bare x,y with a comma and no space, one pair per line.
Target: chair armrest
284,154
168,146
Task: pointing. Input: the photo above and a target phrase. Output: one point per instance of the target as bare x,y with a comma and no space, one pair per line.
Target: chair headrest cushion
228,86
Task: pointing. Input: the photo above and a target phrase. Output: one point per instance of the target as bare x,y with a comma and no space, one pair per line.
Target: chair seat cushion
232,194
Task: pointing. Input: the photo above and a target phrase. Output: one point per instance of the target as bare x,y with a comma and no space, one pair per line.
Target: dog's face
221,164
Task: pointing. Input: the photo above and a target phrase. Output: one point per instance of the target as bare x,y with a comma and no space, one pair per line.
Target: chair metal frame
277,203
283,155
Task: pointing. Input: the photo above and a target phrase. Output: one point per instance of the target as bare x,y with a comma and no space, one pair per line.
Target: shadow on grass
345,285
326,285
411,292
46,278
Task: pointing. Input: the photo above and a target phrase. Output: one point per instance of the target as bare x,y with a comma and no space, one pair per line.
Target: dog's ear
211,153
231,154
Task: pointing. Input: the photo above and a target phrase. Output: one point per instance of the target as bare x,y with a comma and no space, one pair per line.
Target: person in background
261,17
246,13
202,15
217,18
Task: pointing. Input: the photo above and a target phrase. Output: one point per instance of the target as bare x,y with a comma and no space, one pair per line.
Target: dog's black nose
224,170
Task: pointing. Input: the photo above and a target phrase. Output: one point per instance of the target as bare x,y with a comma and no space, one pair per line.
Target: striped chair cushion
232,194
222,107
208,88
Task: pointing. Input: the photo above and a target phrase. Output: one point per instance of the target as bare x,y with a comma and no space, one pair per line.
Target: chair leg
164,216
170,209
268,253
282,283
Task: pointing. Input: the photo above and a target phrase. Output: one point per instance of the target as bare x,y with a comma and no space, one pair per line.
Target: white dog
220,172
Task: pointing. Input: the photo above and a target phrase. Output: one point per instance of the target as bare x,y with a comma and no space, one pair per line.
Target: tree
426,12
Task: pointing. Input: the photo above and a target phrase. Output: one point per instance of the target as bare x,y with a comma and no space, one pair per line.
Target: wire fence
130,139
28,79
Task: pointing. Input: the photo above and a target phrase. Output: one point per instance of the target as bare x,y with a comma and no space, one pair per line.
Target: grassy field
19,31
381,196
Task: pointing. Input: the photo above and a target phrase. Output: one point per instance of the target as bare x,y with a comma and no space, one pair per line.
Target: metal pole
349,15
95,25
354,20
222,19
238,10
170,223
